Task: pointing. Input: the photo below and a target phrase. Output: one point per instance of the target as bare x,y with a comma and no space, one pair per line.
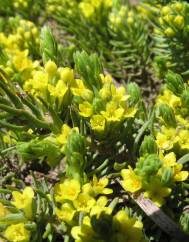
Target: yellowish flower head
87,9
101,207
66,213
169,160
127,227
3,210
169,98
69,189
113,113
86,109
84,232
180,175
98,123
166,138
24,201
17,233
59,90
97,187
131,182
157,192
79,89
84,202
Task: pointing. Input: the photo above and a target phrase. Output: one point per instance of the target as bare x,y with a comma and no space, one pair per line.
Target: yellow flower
87,9
7,139
79,89
113,113
17,233
21,61
100,207
67,190
96,3
119,94
84,202
184,139
105,91
38,83
86,109
62,138
169,98
59,90
157,192
131,182
106,79
3,211
180,175
24,201
97,187
66,213
183,121
169,160
167,138
84,232
130,112
108,3
98,123
127,228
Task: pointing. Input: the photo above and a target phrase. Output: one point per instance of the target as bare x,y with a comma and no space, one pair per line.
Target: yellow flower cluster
17,46
90,7
54,6
174,19
121,228
155,187
89,199
17,232
105,107
21,4
74,198
121,17
51,83
169,137
24,201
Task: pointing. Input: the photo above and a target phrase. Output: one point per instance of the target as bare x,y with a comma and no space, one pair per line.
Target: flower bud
148,166
130,20
76,143
166,176
50,68
67,74
148,146
167,114
178,6
165,10
134,92
179,22
169,32
185,97
174,83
